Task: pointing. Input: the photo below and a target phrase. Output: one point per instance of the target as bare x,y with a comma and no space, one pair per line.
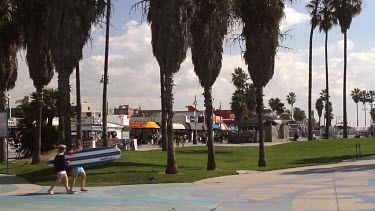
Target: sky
134,72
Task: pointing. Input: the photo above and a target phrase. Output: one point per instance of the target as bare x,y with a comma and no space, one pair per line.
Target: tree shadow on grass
323,160
203,152
125,164
329,169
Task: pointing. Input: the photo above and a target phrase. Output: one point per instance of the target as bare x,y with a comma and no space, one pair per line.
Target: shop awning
191,126
178,126
222,126
145,125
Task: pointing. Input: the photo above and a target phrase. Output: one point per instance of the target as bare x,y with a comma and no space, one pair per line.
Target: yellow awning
146,125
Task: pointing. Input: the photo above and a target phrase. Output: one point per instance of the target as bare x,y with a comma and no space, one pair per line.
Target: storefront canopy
178,126
145,125
191,126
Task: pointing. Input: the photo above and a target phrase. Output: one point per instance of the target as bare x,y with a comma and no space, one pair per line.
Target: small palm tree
291,99
345,11
238,105
319,106
355,96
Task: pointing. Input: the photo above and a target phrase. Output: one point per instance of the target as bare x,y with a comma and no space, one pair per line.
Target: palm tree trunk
328,119
2,140
344,91
309,129
64,106
291,111
171,160
357,114
163,123
38,128
259,100
78,109
211,162
105,82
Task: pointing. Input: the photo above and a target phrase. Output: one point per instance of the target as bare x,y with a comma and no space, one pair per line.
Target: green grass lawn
147,167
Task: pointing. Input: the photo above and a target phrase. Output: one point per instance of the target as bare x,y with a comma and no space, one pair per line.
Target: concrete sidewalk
349,185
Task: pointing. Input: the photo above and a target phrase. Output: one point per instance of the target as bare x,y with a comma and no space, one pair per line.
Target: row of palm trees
364,97
325,14
53,33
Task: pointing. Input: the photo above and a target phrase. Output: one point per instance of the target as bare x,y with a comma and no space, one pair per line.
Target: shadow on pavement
330,169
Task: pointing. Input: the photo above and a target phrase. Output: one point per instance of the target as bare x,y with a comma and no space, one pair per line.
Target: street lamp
195,121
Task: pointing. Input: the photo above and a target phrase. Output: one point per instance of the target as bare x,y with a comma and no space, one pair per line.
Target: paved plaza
349,185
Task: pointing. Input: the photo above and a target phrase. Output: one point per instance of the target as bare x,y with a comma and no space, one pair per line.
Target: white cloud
292,17
134,73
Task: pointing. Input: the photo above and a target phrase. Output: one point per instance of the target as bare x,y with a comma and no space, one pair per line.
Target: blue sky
134,74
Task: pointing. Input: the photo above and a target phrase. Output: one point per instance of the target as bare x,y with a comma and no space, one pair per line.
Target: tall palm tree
327,20
170,35
355,96
345,11
313,9
68,27
363,98
10,42
261,29
319,106
208,28
38,57
291,99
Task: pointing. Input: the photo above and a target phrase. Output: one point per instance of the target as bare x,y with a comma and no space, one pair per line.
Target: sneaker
84,189
74,191
50,192
69,192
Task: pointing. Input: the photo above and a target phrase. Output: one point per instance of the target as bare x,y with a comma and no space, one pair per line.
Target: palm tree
38,57
313,9
250,99
319,106
363,98
10,42
238,104
68,27
345,11
291,99
170,35
261,21
355,96
239,78
208,28
326,20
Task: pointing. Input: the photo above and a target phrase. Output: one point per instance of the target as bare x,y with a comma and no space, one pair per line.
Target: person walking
60,164
78,170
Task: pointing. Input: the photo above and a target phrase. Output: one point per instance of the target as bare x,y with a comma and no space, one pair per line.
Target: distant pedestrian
60,164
